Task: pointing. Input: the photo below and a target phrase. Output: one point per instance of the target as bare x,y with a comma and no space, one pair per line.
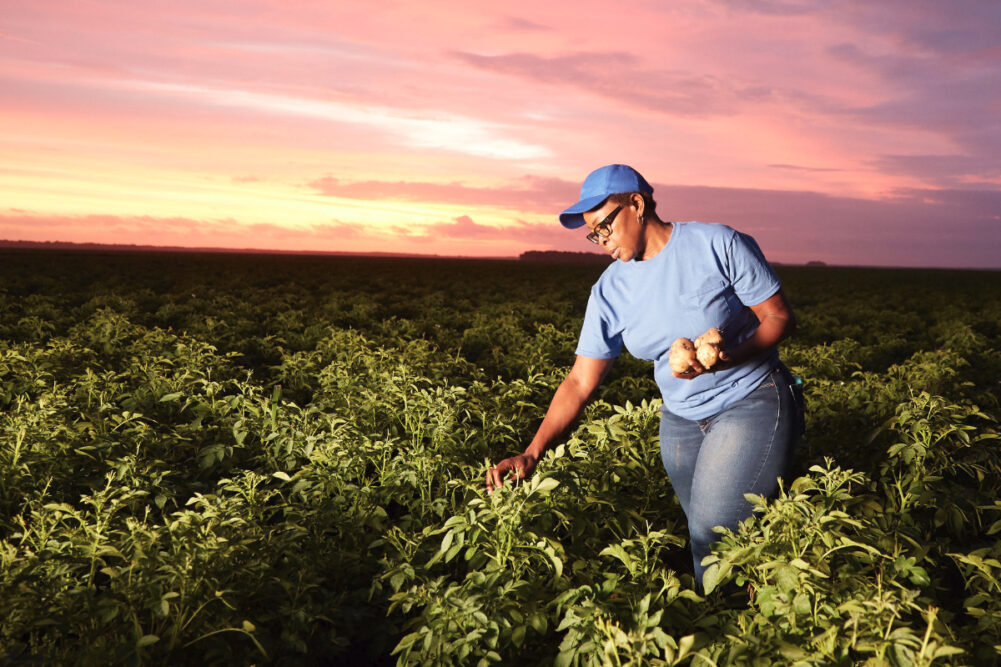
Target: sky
842,131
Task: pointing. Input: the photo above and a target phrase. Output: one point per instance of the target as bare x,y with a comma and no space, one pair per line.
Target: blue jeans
713,462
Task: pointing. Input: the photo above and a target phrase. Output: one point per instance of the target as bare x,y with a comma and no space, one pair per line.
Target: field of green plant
212,459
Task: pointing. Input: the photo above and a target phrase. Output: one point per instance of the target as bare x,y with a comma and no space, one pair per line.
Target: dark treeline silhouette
563,256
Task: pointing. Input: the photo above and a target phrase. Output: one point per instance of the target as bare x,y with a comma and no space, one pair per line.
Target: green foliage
229,459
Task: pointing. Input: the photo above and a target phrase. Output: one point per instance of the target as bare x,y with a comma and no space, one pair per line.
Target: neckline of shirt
634,265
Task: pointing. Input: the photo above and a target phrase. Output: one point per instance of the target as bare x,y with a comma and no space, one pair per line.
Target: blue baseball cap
599,184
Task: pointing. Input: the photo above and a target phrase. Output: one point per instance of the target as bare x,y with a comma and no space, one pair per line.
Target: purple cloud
773,7
610,73
928,25
519,23
941,77
915,227
958,171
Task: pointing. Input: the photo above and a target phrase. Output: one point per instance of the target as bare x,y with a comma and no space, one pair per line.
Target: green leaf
538,622
546,485
685,646
713,575
147,640
282,476
457,520
616,551
453,552
447,541
791,651
557,564
786,578
919,576
406,642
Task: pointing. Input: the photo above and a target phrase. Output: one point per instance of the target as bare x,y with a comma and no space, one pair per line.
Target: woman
724,432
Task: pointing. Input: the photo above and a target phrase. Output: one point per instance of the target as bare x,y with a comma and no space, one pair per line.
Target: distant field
229,459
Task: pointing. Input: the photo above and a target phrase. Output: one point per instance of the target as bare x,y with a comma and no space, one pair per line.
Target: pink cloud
530,235
520,23
797,167
151,230
534,193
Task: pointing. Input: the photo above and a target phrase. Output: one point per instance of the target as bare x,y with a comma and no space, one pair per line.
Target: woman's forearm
567,404
775,322
772,329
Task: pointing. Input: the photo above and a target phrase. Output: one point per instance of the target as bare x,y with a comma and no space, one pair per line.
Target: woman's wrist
736,355
534,452
746,351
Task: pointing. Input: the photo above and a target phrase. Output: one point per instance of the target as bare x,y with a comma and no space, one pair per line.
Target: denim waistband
781,371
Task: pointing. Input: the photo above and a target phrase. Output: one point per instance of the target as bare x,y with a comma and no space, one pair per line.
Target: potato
707,347
681,355
707,355
712,337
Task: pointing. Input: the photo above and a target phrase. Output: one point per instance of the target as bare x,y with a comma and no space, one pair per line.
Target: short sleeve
597,340
752,277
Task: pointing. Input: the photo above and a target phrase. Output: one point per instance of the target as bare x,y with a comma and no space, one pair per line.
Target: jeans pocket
770,379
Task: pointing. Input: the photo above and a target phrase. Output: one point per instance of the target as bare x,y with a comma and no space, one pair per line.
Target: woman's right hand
519,467
568,401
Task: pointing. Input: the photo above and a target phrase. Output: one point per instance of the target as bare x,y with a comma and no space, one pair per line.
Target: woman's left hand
696,369
775,322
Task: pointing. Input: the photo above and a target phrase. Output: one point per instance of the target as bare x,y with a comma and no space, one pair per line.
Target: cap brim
572,218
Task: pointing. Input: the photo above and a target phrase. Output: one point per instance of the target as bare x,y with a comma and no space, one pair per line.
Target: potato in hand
681,355
707,347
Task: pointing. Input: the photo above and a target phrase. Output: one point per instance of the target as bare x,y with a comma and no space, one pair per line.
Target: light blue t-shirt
706,276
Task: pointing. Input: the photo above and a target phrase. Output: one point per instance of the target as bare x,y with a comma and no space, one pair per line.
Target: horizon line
132,247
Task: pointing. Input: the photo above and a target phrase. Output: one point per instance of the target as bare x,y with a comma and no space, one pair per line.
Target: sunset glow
841,131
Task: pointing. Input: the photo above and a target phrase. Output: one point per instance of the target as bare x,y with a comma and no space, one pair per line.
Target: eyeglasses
603,229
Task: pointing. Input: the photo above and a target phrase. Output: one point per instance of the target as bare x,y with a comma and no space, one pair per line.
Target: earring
640,219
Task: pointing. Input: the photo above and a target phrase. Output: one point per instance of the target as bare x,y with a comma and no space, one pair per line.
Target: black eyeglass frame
603,229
